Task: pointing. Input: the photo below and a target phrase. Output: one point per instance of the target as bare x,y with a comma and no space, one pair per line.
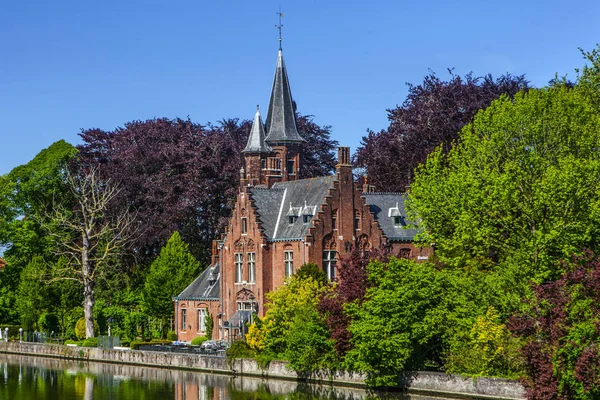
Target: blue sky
68,65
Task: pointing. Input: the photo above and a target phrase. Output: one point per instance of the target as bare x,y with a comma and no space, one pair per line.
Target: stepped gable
385,207
299,199
205,287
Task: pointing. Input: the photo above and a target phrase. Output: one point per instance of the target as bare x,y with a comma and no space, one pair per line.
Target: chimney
343,156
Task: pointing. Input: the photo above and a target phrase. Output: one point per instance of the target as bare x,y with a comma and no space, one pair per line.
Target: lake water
36,378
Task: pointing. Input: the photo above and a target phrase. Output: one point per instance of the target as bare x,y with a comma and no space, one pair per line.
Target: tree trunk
88,290
88,309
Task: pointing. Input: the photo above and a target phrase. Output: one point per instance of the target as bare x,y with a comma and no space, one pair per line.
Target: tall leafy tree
172,271
433,114
33,292
520,190
24,191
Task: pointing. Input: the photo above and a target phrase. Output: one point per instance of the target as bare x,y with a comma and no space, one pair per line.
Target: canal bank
429,383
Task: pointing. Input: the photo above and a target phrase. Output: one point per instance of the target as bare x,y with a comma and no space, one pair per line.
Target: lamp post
6,334
20,335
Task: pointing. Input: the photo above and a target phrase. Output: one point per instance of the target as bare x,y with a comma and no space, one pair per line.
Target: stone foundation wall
419,382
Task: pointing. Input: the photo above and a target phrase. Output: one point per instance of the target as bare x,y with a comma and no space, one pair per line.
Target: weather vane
280,14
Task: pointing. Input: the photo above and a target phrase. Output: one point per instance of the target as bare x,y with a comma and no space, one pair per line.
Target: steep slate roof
201,288
383,205
256,140
273,206
281,118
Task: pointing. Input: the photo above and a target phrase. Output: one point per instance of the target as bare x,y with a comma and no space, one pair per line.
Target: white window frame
251,267
239,266
288,257
329,263
202,314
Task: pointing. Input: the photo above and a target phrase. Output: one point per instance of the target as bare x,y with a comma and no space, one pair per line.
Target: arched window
329,257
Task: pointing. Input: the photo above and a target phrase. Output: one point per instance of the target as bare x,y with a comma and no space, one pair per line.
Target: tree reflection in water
26,378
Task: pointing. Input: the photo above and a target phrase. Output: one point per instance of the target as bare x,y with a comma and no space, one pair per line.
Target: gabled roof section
205,287
388,209
256,140
297,199
281,118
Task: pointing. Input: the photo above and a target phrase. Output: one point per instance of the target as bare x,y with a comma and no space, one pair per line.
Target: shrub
70,342
240,349
91,342
487,350
197,341
172,336
80,328
125,342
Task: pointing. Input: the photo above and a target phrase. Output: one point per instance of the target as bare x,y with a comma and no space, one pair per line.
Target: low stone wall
419,382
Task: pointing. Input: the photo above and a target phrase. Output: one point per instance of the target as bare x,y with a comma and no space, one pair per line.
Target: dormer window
308,212
394,213
290,167
293,214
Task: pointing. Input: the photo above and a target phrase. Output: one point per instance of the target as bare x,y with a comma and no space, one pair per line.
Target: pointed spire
281,118
256,140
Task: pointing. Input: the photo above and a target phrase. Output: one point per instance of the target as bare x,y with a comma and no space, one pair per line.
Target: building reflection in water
25,378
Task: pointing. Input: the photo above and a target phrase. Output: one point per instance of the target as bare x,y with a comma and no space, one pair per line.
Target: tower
282,131
274,152
256,153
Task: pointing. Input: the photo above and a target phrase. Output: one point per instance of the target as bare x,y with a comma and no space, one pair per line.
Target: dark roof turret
256,140
281,118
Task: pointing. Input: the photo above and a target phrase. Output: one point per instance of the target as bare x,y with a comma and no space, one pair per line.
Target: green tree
172,271
24,191
32,294
520,191
407,319
292,328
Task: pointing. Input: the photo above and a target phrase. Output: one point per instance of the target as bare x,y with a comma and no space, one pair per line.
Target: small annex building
280,222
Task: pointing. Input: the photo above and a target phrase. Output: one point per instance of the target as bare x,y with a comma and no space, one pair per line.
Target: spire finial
257,108
280,14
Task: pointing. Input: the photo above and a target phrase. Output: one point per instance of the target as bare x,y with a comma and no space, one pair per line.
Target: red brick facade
280,222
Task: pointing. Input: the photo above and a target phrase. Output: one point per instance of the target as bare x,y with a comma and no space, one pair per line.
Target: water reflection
25,378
